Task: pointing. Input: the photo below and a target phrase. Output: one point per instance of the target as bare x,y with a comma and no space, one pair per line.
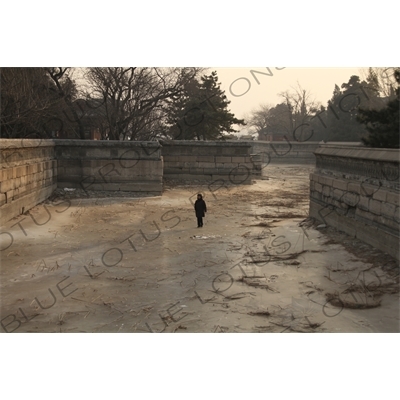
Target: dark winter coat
200,208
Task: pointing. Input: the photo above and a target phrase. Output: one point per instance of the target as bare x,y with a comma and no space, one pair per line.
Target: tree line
138,103
361,110
117,103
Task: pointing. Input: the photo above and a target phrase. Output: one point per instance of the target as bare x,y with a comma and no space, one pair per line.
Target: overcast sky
249,94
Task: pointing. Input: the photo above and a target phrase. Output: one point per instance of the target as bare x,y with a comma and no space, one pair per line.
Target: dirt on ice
121,264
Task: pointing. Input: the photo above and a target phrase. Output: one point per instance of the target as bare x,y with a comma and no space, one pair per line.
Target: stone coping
358,152
201,143
304,143
105,143
21,144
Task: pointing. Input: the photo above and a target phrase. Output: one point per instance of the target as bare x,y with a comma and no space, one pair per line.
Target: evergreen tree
201,113
382,124
341,120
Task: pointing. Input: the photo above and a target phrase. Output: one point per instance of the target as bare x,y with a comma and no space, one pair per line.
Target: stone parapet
110,166
28,175
356,190
208,161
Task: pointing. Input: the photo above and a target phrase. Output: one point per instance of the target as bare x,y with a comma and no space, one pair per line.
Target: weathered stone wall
356,190
32,169
110,166
285,152
208,161
28,175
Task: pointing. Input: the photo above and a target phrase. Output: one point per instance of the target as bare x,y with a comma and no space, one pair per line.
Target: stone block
363,204
20,172
172,170
368,190
388,210
379,221
316,195
393,198
340,207
210,171
380,195
30,169
185,159
23,181
100,153
6,186
317,187
351,199
227,151
354,187
205,165
238,159
375,206
33,178
326,190
206,159
324,180
223,159
397,214
221,165
172,159
168,164
2,199
73,170
188,165
337,194
340,184
196,171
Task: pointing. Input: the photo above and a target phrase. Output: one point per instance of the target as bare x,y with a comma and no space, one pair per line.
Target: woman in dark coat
200,208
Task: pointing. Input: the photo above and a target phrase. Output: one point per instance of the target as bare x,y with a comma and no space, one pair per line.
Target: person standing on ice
200,208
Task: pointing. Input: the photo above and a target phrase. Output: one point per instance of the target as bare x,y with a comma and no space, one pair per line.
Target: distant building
246,137
90,114
231,137
275,137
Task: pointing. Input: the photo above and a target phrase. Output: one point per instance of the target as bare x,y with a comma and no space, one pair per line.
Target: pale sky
319,81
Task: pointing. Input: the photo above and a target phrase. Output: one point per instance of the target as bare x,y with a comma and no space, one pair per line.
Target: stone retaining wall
285,152
208,161
110,166
356,190
28,175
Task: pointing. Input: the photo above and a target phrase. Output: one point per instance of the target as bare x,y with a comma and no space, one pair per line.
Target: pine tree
383,124
201,113
344,106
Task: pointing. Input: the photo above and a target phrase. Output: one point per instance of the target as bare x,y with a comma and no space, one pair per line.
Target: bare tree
259,120
65,89
301,106
28,107
134,98
384,80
